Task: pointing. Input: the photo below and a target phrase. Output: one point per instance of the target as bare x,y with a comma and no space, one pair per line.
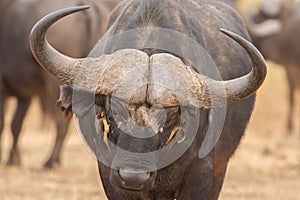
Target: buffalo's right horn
96,75
61,66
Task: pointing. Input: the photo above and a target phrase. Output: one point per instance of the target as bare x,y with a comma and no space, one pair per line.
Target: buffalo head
130,103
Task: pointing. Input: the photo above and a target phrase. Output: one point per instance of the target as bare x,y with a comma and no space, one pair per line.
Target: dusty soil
266,165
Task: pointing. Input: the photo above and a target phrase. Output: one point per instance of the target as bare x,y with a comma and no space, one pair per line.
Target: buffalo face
132,135
132,141
134,110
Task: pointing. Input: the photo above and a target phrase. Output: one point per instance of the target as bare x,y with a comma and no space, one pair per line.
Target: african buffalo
21,75
167,81
274,31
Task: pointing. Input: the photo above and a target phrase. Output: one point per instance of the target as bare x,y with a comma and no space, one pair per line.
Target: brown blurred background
265,166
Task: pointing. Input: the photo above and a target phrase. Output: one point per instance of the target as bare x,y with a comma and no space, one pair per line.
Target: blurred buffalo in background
20,74
275,30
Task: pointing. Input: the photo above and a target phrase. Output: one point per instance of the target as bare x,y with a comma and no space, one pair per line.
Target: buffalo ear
64,103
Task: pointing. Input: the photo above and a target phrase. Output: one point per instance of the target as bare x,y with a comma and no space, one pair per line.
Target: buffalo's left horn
201,91
184,86
239,88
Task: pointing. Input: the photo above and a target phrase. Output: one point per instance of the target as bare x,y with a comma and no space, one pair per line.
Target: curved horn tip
79,8
243,42
225,31
76,8
231,34
234,36
44,53
65,11
51,18
253,79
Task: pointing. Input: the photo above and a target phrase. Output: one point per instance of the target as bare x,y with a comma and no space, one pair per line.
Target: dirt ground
265,166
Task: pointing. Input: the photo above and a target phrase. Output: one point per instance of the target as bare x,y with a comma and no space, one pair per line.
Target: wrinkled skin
21,76
189,177
282,47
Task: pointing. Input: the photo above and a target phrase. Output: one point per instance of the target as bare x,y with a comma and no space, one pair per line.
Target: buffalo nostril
134,178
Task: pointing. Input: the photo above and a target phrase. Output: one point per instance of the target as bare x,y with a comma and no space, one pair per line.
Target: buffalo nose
134,180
